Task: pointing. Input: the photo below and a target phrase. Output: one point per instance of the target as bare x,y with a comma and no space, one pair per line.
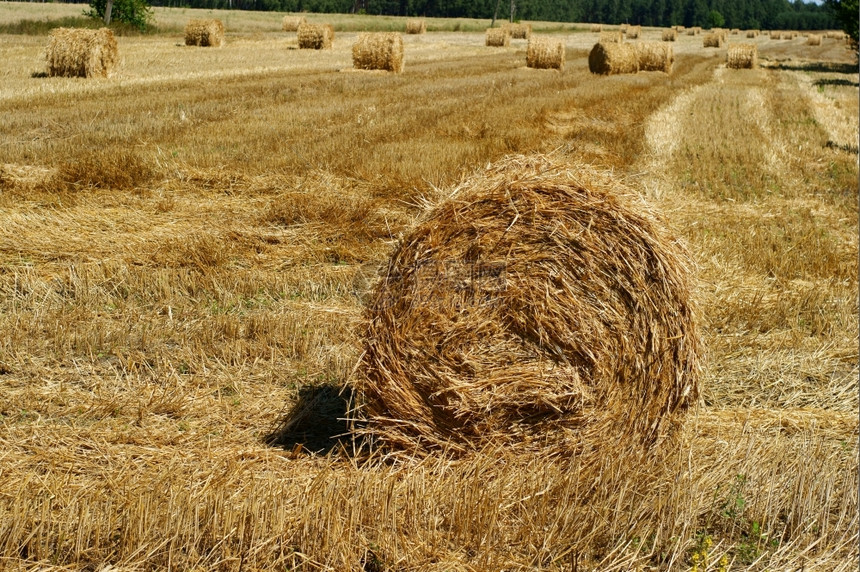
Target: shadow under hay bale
204,33
317,421
498,37
544,53
75,52
315,37
378,51
613,58
542,304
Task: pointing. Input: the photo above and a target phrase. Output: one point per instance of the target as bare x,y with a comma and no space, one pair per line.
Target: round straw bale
378,51
612,36
735,31
208,33
752,33
596,28
655,56
315,36
416,27
633,32
545,53
520,31
498,37
813,40
610,58
742,56
292,23
713,40
774,35
623,28
670,35
76,52
541,302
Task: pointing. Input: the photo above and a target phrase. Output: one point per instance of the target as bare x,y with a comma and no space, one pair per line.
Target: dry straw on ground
292,23
74,52
670,35
378,51
713,41
655,56
520,31
813,40
742,56
542,303
615,36
416,27
633,32
545,53
204,33
611,58
596,28
498,37
315,36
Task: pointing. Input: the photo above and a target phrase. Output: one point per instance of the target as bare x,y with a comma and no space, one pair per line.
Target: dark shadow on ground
847,82
822,67
316,423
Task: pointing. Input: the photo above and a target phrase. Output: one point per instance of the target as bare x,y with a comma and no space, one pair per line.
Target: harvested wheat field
258,314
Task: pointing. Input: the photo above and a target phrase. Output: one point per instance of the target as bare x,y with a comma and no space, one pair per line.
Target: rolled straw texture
378,51
76,52
611,58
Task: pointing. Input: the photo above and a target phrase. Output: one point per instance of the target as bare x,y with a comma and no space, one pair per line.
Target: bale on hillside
813,40
498,37
633,32
378,51
742,56
613,36
292,23
670,35
596,28
655,56
416,27
315,37
520,31
543,304
610,58
544,53
76,52
713,41
207,33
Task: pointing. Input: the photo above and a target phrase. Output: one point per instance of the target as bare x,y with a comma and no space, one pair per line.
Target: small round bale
655,56
670,35
292,23
611,36
207,33
545,53
775,35
520,31
315,36
611,58
752,34
742,56
633,32
813,40
77,52
596,28
378,51
623,28
498,37
735,31
713,40
544,304
416,27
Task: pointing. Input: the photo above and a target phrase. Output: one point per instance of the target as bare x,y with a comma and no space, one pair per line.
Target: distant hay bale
713,41
752,33
835,35
207,33
742,56
813,40
544,53
623,28
520,31
735,31
498,37
691,31
416,27
315,36
633,32
696,30
774,35
543,304
670,35
378,51
655,56
76,52
787,36
292,23
679,28
611,36
611,58
596,28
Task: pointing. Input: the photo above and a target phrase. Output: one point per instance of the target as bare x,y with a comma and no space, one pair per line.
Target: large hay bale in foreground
378,51
611,36
543,304
75,52
207,33
713,40
292,23
520,31
545,53
611,58
670,35
655,56
498,37
315,36
742,56
416,27
633,32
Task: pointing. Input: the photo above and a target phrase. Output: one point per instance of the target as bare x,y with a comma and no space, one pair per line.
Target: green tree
846,13
715,19
136,13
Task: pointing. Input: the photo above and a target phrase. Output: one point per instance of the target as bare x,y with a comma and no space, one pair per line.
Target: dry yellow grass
81,53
